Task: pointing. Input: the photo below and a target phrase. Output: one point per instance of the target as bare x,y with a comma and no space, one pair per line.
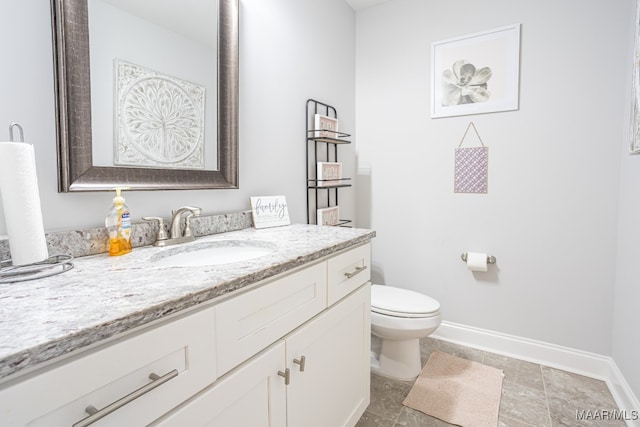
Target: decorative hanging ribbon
471,166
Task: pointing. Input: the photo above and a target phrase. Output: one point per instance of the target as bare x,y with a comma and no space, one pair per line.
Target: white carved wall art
159,119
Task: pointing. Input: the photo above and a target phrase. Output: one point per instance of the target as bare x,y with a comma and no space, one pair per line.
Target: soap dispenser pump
118,223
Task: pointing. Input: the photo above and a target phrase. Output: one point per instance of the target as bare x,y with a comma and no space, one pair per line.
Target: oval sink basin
212,253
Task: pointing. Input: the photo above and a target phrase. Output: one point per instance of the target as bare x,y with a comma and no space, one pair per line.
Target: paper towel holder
15,125
490,258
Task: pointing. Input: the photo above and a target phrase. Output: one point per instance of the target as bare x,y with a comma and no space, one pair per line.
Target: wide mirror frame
76,171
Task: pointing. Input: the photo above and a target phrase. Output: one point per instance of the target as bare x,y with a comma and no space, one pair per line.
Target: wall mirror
146,119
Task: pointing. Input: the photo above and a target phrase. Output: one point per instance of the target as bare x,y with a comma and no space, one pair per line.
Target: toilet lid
402,302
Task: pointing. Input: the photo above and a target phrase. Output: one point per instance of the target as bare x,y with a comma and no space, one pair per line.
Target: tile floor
532,395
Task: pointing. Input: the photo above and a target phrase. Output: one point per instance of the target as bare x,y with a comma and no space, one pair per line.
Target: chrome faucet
175,235
175,231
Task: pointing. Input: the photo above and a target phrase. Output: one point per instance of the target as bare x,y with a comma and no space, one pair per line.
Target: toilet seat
398,302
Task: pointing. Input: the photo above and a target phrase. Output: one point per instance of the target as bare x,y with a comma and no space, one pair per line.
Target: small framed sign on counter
269,211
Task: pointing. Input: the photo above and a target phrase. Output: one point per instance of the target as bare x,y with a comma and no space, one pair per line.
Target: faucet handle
187,225
162,231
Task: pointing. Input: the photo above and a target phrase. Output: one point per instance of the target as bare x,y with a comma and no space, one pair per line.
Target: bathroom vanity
282,339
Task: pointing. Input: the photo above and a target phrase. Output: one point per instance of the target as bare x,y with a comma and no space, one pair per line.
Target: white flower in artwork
463,84
160,119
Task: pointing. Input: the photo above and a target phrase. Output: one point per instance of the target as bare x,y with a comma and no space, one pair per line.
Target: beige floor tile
411,418
508,422
372,420
524,404
387,396
576,400
517,371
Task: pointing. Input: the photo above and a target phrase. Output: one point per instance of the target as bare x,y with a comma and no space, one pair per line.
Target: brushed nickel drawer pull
358,270
97,414
300,362
286,375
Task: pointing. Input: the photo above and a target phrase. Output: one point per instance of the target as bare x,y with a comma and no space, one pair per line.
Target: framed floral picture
477,73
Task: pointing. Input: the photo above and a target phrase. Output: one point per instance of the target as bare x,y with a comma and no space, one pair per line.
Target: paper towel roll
21,203
476,261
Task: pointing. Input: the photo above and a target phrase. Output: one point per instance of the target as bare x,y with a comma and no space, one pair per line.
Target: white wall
551,213
289,51
626,316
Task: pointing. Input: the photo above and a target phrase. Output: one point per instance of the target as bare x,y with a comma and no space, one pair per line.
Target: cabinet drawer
59,396
252,395
250,322
348,271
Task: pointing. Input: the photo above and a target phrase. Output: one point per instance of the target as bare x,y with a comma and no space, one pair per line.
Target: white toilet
399,318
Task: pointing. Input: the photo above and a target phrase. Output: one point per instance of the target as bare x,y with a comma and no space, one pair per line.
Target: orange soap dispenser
118,223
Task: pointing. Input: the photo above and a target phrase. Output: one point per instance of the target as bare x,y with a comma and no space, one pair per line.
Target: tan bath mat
457,391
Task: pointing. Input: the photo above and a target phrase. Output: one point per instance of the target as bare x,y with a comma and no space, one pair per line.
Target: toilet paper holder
490,258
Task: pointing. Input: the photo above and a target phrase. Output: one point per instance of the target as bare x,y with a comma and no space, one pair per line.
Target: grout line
546,399
395,422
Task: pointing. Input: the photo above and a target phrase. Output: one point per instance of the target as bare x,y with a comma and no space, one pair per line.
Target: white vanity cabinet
163,365
313,373
290,351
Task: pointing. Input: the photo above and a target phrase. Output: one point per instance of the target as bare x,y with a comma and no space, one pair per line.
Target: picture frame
471,170
269,211
328,216
634,129
325,126
476,73
329,174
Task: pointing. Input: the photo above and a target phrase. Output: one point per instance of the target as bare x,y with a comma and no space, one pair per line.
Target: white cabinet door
250,322
252,395
333,389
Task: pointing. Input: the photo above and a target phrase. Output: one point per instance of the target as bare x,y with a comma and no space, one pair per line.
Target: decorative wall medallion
159,119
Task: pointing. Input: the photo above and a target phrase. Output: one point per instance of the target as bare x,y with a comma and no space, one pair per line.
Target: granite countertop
102,296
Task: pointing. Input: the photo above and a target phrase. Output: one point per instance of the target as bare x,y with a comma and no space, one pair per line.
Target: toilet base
398,359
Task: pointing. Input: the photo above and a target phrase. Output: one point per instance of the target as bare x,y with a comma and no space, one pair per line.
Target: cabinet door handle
97,414
286,375
353,273
300,362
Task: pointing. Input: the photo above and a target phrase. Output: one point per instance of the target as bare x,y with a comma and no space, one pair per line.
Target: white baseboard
577,361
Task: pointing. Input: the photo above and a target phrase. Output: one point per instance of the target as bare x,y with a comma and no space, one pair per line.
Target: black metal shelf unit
322,149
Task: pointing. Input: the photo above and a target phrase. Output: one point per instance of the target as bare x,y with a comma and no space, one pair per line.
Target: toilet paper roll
477,261
21,203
